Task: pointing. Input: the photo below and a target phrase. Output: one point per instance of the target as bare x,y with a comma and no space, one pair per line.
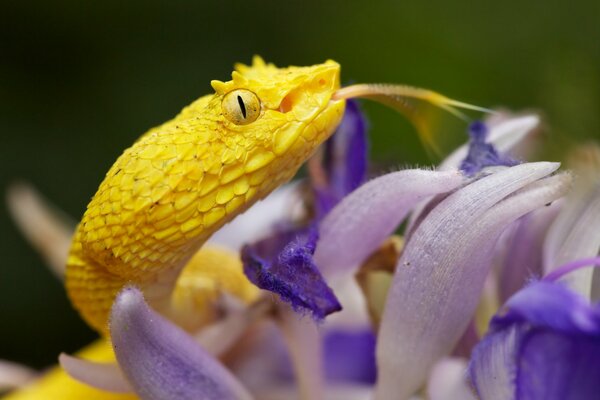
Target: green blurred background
79,81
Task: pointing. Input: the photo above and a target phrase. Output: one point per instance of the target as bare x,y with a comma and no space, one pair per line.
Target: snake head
279,113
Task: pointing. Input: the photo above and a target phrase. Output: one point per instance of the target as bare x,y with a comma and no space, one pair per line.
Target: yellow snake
183,180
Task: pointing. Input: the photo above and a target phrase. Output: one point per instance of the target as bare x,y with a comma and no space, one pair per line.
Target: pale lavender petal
448,380
493,367
575,235
440,275
362,221
304,345
160,360
503,135
522,254
103,376
13,375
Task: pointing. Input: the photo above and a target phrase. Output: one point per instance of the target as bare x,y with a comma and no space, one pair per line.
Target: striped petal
440,275
160,360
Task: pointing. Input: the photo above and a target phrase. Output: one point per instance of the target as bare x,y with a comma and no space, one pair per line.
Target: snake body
183,180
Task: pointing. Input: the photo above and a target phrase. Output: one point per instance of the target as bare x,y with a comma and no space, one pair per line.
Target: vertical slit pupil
242,105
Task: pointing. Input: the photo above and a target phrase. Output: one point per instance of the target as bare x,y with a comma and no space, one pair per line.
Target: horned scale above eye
241,106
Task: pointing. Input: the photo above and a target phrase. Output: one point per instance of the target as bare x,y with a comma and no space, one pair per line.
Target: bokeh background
79,81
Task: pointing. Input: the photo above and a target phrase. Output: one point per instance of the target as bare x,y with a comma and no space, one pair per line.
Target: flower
467,221
283,262
544,344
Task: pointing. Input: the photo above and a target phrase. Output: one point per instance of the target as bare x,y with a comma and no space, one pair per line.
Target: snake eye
241,106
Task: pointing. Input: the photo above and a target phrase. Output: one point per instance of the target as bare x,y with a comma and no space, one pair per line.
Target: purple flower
283,262
476,227
289,271
440,275
544,344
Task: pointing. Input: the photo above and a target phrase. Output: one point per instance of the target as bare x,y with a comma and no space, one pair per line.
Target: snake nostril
287,103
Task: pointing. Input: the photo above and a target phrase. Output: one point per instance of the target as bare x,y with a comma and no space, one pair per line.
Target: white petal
448,380
261,219
440,275
348,392
304,345
362,221
219,337
49,230
103,376
13,375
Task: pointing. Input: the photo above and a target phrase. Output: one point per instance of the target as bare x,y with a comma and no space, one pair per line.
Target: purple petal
160,360
345,160
362,221
493,368
350,356
549,305
552,366
103,376
545,345
440,275
503,135
482,153
292,274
